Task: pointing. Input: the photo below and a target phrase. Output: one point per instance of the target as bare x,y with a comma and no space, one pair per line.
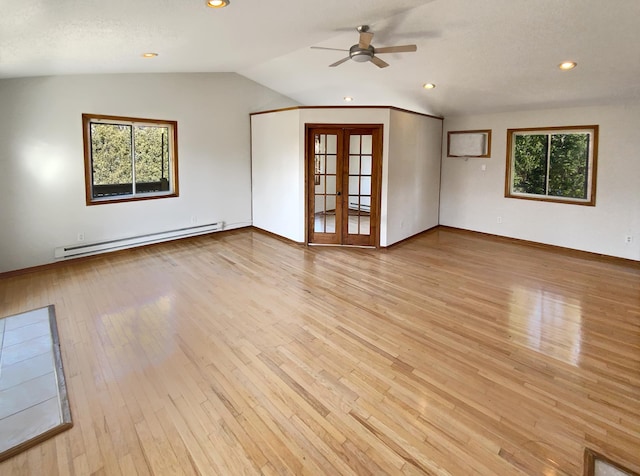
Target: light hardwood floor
238,353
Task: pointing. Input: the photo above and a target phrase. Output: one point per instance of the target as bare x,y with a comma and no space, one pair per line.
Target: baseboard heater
87,249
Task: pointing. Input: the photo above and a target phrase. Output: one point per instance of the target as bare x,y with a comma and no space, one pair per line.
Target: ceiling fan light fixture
364,51
218,3
567,65
428,86
361,55
149,55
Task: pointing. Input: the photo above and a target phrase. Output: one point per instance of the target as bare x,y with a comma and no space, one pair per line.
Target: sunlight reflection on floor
546,322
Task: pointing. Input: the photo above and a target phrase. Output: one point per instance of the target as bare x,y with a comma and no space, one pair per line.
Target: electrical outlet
81,236
628,239
499,220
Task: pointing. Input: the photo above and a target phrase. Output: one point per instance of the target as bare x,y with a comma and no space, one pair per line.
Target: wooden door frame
376,181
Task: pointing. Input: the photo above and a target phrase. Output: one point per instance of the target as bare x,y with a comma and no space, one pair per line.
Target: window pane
330,221
319,222
331,203
151,158
530,164
319,208
353,185
365,185
353,225
354,144
320,167
320,145
365,225
332,144
365,204
366,165
331,164
331,185
569,165
111,160
320,184
354,165
367,144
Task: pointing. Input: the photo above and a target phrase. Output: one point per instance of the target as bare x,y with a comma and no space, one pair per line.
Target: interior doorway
344,165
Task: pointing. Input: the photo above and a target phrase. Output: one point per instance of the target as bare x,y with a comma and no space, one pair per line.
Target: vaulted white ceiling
484,56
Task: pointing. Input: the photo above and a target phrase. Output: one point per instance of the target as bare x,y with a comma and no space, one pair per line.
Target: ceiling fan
364,51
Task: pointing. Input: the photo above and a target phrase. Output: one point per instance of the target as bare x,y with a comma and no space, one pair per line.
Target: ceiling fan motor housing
361,55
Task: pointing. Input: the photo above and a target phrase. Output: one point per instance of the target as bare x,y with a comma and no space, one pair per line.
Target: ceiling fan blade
379,63
365,39
338,63
397,49
323,48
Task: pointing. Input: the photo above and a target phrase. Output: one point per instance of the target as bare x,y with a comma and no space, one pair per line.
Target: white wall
473,199
276,167
413,175
42,191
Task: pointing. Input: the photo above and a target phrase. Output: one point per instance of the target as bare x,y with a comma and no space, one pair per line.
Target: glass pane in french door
325,179
359,184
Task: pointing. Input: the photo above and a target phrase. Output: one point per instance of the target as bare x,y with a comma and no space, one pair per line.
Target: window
129,159
555,164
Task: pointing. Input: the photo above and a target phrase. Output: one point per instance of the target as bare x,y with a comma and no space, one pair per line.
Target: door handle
338,193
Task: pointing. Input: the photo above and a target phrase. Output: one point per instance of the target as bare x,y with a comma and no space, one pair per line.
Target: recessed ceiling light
428,86
149,55
217,3
567,65
348,99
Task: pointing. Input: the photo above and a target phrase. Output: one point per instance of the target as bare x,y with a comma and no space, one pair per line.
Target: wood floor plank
239,353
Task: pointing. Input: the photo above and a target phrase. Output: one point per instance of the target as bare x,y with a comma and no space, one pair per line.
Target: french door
343,184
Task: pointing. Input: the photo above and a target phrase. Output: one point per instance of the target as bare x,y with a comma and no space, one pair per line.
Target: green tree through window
128,158
530,164
111,154
151,153
555,164
569,165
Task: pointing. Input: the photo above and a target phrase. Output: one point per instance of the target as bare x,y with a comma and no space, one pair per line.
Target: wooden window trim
594,165
173,148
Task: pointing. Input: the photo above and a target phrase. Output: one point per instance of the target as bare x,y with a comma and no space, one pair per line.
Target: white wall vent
469,143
